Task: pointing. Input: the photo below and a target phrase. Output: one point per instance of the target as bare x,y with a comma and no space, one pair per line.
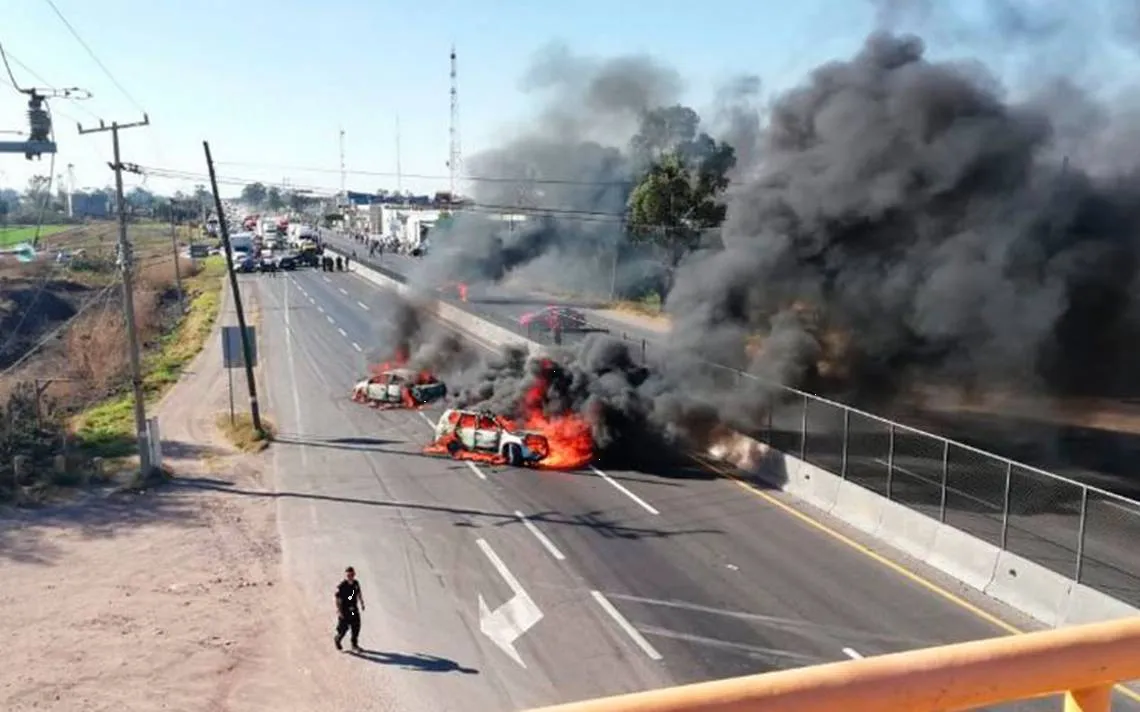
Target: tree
203,196
254,194
273,199
679,196
37,190
663,130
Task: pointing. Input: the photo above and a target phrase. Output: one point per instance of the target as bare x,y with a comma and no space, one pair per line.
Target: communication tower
454,159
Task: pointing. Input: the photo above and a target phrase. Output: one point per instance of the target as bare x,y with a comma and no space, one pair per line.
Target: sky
271,83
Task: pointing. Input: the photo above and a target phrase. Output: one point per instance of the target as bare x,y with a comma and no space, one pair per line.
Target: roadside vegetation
65,388
108,428
14,235
241,433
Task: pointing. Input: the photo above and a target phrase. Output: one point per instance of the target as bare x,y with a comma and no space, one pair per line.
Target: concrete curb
1047,596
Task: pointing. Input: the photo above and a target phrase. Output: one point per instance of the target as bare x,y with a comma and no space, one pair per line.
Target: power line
56,331
94,58
72,94
389,174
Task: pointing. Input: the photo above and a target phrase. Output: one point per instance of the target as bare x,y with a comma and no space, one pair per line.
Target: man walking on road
348,598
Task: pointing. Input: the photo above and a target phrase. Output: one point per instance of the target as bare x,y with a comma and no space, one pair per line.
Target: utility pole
177,265
125,265
399,166
246,347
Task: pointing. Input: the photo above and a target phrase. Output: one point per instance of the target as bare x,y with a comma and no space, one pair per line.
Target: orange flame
400,360
568,435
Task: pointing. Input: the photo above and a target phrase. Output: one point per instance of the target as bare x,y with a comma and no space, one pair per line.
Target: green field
24,233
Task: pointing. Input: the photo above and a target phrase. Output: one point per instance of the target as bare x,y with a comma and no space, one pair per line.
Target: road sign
199,250
232,354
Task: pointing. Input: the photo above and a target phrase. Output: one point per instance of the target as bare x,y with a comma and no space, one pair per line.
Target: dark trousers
348,620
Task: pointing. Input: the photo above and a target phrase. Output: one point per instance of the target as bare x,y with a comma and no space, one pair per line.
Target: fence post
1005,503
846,437
945,481
890,458
644,359
804,429
768,420
1081,527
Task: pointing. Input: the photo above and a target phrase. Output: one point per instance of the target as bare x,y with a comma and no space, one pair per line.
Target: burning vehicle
392,386
485,437
530,436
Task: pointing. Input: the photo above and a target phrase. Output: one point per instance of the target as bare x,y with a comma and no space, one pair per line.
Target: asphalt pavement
1045,522
615,580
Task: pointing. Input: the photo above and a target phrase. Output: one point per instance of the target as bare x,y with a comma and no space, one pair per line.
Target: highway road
619,580
1044,527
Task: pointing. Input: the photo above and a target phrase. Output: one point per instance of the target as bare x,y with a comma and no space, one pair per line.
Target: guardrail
1082,662
1076,530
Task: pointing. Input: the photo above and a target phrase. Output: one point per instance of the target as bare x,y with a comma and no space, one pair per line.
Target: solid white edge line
426,419
356,346
362,305
342,332
853,653
476,470
624,490
542,538
625,625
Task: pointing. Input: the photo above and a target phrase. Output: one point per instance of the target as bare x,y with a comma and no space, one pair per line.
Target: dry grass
97,347
241,433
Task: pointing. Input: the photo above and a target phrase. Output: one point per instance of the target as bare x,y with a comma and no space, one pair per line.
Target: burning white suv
479,435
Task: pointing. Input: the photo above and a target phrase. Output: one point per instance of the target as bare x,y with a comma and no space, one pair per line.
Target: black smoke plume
549,215
907,222
407,332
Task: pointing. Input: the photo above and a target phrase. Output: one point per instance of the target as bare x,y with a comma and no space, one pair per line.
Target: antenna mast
343,192
454,158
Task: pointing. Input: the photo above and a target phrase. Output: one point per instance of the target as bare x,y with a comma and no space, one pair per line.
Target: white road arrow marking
513,619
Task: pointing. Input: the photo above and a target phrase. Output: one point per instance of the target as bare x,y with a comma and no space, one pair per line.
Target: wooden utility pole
125,266
246,347
177,265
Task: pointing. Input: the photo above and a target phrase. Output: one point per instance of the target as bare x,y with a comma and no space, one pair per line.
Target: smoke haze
893,220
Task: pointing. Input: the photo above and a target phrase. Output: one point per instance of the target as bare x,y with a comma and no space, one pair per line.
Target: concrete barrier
1051,598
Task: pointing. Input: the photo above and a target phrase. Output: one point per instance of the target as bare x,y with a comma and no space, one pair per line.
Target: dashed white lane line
474,467
312,301
625,625
542,538
331,320
342,332
853,653
362,305
624,490
326,279
356,346
319,308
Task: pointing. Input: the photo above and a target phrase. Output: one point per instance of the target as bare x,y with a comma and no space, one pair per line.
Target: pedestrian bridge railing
1083,663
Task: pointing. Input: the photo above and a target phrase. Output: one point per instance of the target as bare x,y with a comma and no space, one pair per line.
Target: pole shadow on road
417,661
596,521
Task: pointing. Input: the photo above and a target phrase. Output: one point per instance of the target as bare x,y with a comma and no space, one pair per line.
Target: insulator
39,120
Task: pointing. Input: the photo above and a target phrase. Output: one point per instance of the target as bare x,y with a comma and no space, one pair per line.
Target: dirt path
168,599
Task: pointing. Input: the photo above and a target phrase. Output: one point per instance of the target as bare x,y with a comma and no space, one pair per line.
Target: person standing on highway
349,604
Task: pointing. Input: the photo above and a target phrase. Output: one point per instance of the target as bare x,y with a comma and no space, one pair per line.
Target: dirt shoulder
171,598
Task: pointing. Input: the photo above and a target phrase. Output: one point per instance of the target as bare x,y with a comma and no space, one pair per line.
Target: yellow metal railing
1083,662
